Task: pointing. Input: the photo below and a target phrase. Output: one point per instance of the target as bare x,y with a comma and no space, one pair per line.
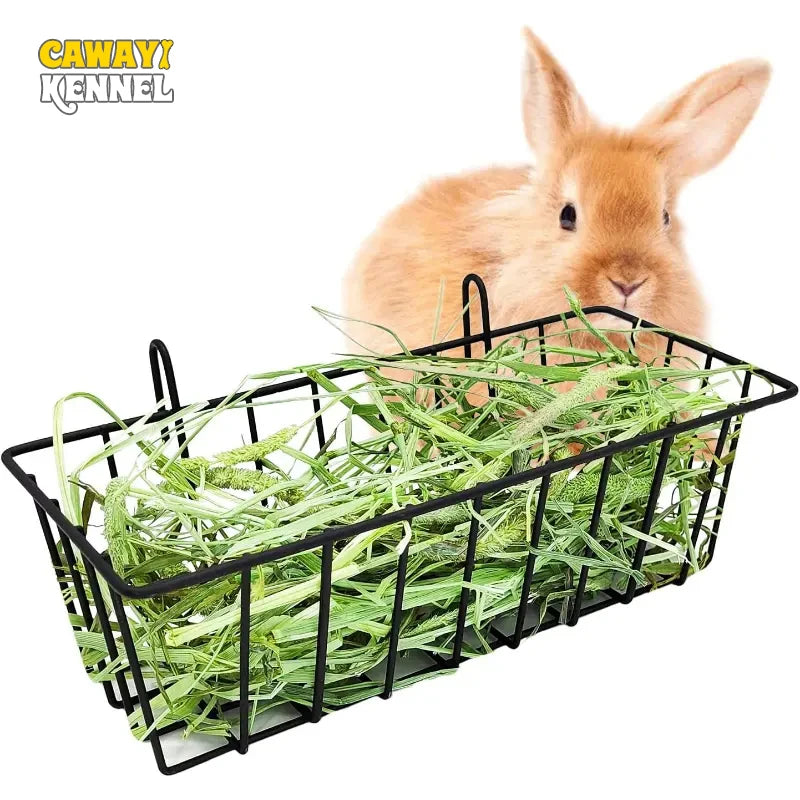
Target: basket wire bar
668,351
318,415
55,558
138,679
108,637
469,566
701,512
649,514
726,477
542,350
112,464
252,427
96,567
394,634
593,525
80,591
83,604
530,563
244,663
326,575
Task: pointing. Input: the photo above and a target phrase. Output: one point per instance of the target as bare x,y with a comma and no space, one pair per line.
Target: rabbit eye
568,217
666,218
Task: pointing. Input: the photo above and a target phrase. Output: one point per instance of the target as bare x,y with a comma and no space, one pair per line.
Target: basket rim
336,533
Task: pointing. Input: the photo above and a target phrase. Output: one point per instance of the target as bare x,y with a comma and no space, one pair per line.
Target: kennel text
138,77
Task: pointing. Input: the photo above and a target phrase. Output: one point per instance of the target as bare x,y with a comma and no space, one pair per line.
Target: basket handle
484,306
160,359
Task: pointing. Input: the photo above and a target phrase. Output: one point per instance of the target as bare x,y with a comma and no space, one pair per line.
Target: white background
216,222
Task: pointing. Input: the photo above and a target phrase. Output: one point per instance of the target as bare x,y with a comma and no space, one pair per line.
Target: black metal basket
103,596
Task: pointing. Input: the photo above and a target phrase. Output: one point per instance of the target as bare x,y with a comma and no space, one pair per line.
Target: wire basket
102,605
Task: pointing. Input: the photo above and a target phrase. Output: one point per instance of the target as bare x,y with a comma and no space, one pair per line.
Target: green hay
168,516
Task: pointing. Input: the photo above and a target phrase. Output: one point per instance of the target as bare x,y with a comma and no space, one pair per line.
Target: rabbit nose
627,289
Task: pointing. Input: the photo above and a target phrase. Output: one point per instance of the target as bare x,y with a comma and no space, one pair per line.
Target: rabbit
596,212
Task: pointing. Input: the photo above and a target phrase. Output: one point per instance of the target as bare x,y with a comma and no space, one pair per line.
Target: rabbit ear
701,124
551,106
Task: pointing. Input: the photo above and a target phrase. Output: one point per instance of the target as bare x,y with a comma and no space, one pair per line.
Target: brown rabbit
594,213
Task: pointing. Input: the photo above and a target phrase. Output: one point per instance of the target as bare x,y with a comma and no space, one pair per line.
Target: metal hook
484,300
159,352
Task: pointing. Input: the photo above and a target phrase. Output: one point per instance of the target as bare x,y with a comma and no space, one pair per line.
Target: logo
67,84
